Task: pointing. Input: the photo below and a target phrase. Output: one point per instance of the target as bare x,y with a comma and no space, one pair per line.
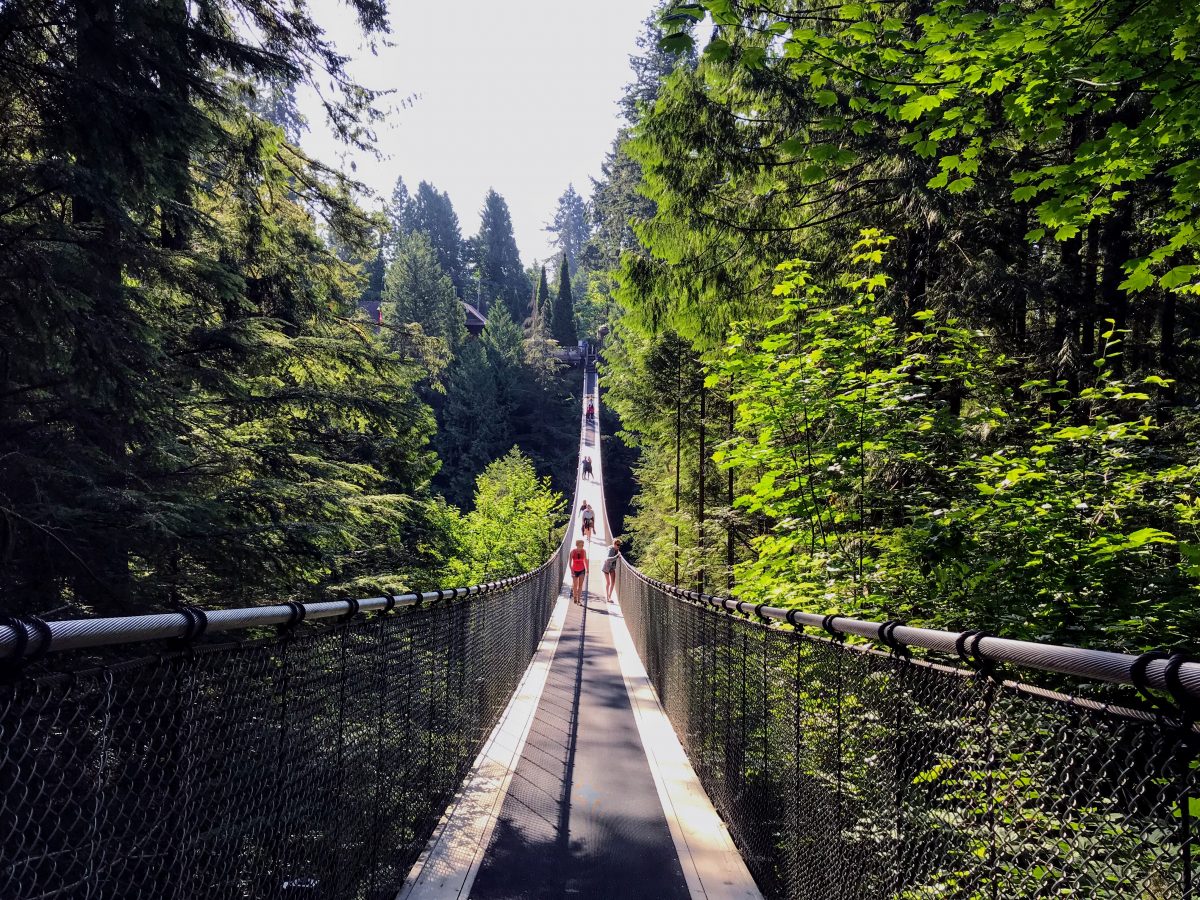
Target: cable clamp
790,616
827,624
1137,675
390,604
353,611
23,627
297,613
195,624
1188,704
887,636
18,628
967,647
43,629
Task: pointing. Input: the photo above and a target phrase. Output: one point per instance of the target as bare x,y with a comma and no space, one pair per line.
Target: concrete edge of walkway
712,864
447,867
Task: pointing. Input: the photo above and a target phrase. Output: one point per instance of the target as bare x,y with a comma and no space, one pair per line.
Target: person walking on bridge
591,411
609,568
587,468
589,520
579,571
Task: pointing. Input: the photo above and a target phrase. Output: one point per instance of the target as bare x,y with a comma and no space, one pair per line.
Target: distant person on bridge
591,411
587,467
609,568
579,569
589,519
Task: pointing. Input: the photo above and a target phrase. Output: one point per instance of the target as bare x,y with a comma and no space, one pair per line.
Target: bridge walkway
583,789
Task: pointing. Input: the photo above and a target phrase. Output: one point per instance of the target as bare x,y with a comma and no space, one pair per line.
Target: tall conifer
187,402
432,213
570,226
563,324
499,274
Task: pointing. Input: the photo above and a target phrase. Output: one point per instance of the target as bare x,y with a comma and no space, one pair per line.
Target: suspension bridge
498,741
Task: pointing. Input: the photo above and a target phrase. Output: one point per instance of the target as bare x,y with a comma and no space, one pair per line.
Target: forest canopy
897,303
193,408
908,322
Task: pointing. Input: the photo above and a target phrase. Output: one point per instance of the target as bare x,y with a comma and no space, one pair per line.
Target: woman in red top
579,569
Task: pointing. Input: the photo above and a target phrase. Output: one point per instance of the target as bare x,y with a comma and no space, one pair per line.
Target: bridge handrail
1172,673
77,634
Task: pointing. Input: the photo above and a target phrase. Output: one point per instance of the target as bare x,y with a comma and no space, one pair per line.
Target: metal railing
312,762
865,770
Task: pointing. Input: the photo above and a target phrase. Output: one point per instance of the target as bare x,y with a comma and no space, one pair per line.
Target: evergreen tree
376,271
396,213
654,62
431,212
498,271
563,324
502,341
570,226
275,101
190,413
617,203
542,300
419,292
539,343
473,428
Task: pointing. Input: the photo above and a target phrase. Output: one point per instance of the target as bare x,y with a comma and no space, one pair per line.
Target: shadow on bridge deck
582,817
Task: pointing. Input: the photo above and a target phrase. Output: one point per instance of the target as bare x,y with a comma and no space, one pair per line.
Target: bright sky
519,96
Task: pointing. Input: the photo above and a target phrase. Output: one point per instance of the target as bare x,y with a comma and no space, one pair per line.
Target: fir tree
563,324
542,300
539,344
419,292
570,226
473,427
431,212
372,296
190,412
499,274
396,213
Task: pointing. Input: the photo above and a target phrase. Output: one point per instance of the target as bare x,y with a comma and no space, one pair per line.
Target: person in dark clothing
587,467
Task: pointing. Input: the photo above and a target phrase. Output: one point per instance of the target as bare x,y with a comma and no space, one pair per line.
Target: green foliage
505,390
516,522
424,319
596,307
192,412
903,471
1036,192
562,323
654,384
499,275
570,226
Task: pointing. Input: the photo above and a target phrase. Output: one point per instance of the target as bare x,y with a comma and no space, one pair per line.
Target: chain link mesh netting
310,764
844,772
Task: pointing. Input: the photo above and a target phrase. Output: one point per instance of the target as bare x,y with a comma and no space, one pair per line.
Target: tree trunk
1113,300
700,477
106,402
